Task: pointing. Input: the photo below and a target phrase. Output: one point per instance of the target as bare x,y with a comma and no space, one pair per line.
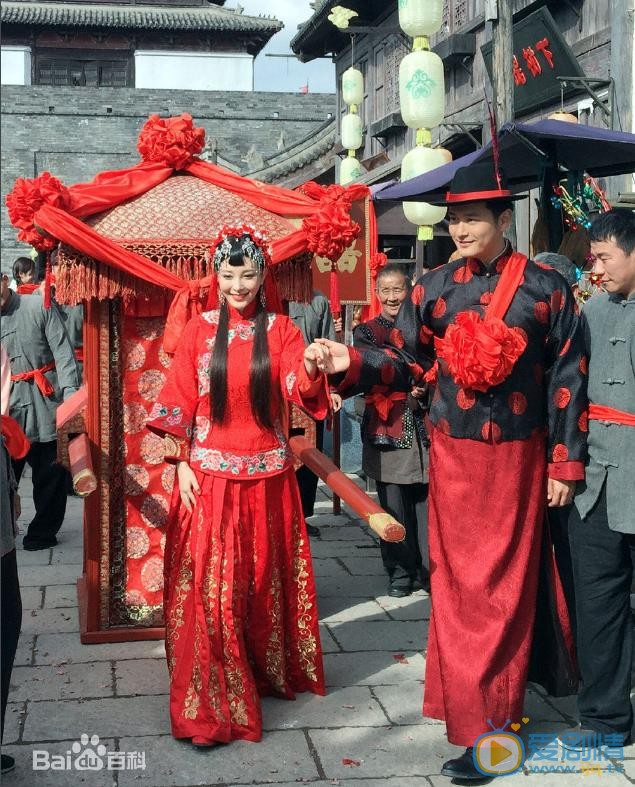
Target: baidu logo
88,754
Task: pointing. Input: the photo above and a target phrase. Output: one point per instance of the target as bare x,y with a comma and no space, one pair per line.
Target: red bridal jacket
238,448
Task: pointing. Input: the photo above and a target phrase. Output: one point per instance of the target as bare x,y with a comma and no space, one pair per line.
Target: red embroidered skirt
240,607
487,504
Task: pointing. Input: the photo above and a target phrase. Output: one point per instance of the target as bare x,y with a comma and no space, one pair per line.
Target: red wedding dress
240,603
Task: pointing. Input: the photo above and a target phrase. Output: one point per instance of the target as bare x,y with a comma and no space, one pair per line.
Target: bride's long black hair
260,364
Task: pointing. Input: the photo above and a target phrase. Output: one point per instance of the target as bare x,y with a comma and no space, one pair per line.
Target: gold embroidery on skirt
233,675
176,612
306,639
274,657
210,601
193,696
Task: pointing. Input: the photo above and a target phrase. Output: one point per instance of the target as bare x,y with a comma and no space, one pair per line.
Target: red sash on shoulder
481,353
602,412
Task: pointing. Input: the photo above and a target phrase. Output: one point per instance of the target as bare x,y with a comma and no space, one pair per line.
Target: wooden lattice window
58,70
394,51
457,14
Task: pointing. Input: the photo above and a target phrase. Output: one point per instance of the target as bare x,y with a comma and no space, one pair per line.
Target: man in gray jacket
602,521
43,374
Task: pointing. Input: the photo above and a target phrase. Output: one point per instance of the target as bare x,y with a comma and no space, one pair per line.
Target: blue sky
286,74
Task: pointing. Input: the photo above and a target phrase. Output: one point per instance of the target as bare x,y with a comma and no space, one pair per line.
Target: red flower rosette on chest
480,353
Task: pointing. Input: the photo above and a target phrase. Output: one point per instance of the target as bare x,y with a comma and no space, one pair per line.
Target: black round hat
477,182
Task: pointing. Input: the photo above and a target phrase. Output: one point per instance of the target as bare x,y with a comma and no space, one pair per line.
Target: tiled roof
210,17
318,143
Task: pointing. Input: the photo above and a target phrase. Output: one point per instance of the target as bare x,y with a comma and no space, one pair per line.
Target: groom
501,342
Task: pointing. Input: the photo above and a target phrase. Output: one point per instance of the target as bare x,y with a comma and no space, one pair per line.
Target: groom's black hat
478,182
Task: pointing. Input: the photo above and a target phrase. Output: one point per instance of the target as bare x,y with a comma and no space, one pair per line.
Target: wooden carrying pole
81,466
384,524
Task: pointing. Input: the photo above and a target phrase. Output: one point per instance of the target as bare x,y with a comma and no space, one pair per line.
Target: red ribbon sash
602,412
384,403
38,375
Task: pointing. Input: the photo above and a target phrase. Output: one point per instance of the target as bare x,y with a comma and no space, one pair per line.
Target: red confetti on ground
400,657
348,761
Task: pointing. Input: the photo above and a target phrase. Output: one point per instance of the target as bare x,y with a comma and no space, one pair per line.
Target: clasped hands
326,356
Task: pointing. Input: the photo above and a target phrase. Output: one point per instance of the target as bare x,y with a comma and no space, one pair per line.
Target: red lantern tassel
47,282
336,306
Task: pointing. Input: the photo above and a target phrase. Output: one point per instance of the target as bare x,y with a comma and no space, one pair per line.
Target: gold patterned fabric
241,614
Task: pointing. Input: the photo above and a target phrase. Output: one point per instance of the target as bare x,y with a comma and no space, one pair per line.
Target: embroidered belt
38,375
601,412
384,404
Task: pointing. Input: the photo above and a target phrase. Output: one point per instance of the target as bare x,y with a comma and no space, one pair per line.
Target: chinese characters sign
352,267
541,55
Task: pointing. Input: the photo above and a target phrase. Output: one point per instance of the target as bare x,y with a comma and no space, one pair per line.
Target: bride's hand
338,359
188,485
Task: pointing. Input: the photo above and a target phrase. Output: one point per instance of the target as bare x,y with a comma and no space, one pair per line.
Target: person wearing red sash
240,602
43,374
498,339
395,447
602,519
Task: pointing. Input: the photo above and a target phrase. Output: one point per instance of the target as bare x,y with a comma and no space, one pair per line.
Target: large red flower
27,197
172,141
330,230
479,354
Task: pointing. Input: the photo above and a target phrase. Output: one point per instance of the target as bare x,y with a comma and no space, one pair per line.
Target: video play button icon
496,753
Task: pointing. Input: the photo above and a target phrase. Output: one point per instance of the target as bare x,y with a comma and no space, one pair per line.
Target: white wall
193,70
15,68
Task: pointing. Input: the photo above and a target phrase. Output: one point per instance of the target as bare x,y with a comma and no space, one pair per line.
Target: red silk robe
240,602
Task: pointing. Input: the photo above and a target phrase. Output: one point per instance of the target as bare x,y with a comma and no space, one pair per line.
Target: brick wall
77,132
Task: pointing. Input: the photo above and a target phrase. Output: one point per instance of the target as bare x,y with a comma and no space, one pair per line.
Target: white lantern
352,86
352,131
416,162
422,89
350,170
420,17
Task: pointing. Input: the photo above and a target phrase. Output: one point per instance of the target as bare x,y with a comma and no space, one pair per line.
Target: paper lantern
564,117
416,162
422,89
350,170
352,86
420,17
352,131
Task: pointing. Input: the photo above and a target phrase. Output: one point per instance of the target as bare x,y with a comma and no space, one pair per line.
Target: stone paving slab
25,776
60,596
49,575
66,681
24,653
338,610
50,621
13,716
403,702
351,587
380,751
107,717
31,598
329,645
42,557
281,757
141,676
340,528
341,707
375,635
368,565
53,648
329,567
67,554
413,607
373,668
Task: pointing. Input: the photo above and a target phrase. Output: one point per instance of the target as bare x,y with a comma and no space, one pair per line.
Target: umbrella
526,150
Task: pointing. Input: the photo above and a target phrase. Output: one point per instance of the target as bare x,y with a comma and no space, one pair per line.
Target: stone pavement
367,732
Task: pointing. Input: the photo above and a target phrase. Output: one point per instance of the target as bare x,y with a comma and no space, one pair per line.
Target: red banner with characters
352,267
